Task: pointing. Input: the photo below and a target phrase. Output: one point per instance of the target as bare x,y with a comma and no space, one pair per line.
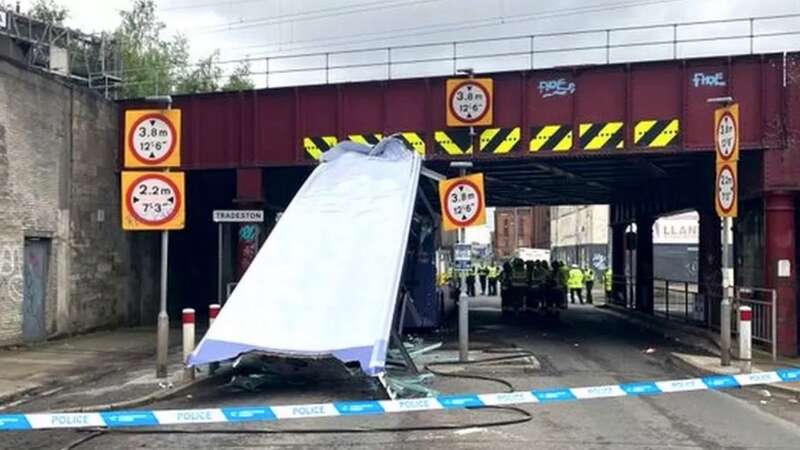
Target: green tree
151,64
48,11
204,77
240,78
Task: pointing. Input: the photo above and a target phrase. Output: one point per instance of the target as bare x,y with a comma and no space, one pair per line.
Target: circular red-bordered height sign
726,188
726,135
153,199
152,139
469,101
463,203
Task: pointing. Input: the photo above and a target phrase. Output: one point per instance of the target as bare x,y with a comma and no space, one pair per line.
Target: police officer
588,281
483,273
563,276
575,283
519,283
494,274
471,272
505,287
608,282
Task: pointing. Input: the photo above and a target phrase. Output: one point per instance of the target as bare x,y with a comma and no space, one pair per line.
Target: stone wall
59,185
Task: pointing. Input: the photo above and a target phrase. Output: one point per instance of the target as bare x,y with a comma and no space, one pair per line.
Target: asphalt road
586,347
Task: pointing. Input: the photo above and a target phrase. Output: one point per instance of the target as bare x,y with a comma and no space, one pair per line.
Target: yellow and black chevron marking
598,136
414,140
656,133
499,140
366,139
317,145
557,138
453,142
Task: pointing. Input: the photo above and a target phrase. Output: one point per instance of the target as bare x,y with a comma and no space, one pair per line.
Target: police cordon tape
144,418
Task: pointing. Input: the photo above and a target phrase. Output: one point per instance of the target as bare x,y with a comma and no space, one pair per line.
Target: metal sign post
462,206
154,200
221,217
726,143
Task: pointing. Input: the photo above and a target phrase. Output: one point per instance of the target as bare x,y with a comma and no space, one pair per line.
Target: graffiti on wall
248,245
11,266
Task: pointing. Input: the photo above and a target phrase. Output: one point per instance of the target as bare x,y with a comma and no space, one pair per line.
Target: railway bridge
636,136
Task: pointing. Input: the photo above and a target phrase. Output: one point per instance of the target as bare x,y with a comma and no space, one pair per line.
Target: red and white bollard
745,337
188,341
213,311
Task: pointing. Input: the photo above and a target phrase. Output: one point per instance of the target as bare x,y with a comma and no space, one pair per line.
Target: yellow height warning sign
726,143
463,202
726,133
153,201
152,138
469,102
727,190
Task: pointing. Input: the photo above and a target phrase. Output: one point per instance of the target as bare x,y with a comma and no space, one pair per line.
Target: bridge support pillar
249,195
644,264
781,251
619,288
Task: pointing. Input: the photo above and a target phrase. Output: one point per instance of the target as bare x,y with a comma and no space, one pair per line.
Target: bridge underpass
265,142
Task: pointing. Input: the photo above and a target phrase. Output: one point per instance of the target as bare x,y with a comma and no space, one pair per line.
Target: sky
261,28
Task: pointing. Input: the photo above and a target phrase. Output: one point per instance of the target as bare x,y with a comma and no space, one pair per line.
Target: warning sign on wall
726,190
153,201
152,138
469,102
463,202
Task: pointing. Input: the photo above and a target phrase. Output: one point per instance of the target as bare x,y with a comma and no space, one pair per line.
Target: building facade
65,264
580,236
526,227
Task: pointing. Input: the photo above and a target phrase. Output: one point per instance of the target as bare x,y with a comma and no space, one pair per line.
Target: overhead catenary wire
251,59
443,27
324,13
218,3
440,28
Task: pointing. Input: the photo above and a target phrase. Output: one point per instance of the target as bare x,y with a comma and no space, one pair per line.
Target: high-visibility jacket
588,275
483,270
608,280
494,272
519,276
575,279
563,275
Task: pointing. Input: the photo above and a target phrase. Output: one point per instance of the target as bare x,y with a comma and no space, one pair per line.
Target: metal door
37,255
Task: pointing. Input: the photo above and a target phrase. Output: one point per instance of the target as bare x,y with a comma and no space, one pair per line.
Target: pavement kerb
699,371
687,334
145,399
75,379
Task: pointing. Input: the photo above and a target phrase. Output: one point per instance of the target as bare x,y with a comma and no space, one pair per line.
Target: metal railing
522,52
535,51
763,303
686,302
678,300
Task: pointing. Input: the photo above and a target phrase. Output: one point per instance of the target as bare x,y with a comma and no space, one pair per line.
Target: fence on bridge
685,302
740,36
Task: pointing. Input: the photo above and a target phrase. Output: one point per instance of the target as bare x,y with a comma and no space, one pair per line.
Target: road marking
144,418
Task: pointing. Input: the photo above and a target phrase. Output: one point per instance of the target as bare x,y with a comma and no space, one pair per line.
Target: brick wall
534,229
58,184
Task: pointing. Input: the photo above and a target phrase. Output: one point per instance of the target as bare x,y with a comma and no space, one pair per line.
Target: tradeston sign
238,215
